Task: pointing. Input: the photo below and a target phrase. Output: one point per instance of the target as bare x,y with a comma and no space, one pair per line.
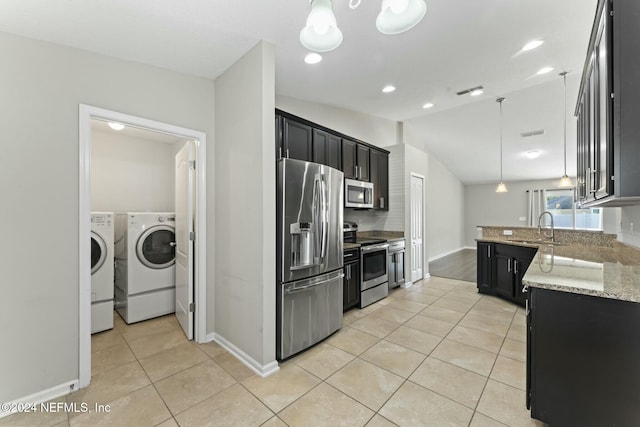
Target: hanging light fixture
501,188
398,16
565,181
321,34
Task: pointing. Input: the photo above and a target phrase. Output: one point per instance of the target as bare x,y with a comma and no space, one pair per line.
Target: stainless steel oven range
374,267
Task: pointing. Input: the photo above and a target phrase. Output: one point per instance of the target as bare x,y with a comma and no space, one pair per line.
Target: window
561,204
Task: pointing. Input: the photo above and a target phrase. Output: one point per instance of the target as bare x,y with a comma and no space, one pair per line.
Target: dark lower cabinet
351,284
501,268
485,266
583,360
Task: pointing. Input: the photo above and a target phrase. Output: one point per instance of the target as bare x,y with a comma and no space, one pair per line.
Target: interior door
184,200
417,242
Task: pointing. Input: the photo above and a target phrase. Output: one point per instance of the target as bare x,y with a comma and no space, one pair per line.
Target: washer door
98,252
156,247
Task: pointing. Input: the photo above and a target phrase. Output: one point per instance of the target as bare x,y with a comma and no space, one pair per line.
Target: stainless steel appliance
396,264
309,255
374,270
358,194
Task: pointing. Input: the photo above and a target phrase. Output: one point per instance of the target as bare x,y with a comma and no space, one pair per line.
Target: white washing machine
145,265
102,233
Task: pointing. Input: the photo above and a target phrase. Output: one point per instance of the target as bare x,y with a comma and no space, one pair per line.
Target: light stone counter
607,272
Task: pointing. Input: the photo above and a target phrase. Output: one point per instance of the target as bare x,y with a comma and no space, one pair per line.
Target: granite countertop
347,246
389,236
611,271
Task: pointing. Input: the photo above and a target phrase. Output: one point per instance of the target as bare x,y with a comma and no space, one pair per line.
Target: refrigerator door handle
324,214
313,285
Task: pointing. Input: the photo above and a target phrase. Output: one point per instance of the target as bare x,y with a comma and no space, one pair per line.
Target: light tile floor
435,354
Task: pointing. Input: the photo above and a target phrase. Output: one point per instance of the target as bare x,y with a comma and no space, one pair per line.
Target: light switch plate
507,232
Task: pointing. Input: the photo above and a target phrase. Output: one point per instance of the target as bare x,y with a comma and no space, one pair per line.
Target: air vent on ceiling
466,91
533,133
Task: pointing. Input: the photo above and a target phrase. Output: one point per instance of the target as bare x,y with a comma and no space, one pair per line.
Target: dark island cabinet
582,360
501,268
379,164
355,160
327,149
608,129
485,266
351,281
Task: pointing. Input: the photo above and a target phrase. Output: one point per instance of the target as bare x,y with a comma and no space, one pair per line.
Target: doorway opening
192,193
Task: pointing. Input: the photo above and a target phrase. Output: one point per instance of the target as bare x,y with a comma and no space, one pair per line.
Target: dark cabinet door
351,288
520,268
326,149
363,162
604,186
379,171
349,149
278,127
297,140
504,275
485,266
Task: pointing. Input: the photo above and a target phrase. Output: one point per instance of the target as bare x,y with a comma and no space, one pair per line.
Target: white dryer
102,233
145,265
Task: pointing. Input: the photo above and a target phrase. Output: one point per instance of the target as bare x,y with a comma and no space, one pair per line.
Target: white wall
43,84
370,129
245,207
445,210
130,174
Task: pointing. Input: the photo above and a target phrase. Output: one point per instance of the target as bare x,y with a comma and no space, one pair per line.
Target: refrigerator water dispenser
302,254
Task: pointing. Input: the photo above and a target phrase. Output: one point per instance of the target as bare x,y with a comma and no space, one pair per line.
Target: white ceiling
459,44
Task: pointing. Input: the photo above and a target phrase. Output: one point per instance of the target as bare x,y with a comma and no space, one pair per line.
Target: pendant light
565,181
398,16
501,188
321,34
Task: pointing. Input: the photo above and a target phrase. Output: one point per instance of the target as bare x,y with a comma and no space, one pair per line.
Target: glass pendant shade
398,16
565,182
321,34
502,188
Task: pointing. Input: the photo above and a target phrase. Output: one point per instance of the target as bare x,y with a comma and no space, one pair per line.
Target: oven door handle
374,248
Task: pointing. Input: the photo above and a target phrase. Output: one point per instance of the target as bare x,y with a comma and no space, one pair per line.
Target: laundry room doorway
161,177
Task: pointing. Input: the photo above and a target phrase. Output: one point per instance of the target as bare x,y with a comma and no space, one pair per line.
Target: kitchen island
583,339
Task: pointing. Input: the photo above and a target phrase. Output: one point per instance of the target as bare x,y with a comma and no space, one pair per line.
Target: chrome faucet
540,227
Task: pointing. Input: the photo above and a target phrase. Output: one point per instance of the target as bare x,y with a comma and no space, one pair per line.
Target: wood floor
460,266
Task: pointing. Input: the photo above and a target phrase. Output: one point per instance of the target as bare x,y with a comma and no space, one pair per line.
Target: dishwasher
396,264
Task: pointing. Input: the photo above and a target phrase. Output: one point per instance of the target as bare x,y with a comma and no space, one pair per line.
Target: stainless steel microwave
358,194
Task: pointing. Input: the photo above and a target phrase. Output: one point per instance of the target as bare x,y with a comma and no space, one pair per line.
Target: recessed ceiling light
476,92
545,70
532,154
427,105
115,125
388,89
532,45
312,58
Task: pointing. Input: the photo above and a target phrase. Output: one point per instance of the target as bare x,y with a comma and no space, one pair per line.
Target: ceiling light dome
398,16
321,34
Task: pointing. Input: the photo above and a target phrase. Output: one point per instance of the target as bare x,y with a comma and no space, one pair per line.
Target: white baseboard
42,396
475,248
437,257
427,275
251,363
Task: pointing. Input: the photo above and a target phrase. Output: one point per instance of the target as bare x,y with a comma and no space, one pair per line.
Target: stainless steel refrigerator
309,254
